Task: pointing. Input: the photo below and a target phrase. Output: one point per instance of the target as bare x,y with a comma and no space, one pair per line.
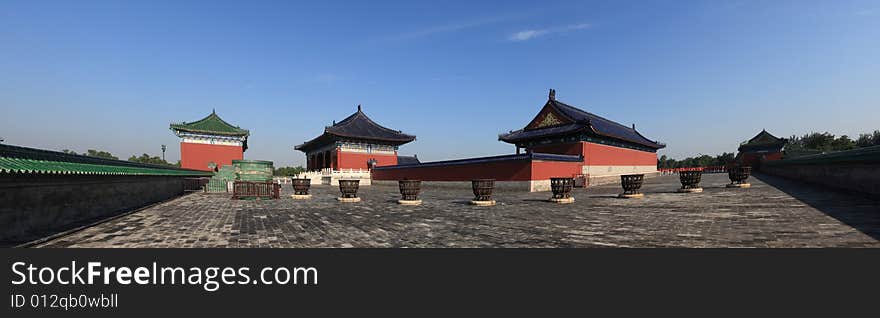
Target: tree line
144,158
289,171
665,162
813,142
826,142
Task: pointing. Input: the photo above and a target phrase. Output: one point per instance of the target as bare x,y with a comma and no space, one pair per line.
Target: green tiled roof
22,160
29,166
213,125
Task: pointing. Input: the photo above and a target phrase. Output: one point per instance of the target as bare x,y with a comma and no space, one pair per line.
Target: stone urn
349,189
301,188
483,192
561,188
738,176
690,181
409,191
631,184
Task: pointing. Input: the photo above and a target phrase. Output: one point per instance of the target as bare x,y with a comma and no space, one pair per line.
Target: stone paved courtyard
773,213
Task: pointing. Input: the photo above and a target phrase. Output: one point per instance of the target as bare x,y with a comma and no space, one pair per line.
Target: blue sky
699,76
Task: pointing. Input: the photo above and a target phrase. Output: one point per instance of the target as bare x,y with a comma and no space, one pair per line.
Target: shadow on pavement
853,209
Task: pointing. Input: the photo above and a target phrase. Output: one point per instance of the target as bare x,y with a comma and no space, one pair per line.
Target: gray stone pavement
773,213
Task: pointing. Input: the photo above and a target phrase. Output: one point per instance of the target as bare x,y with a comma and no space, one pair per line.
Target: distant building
763,146
560,141
356,142
606,146
210,143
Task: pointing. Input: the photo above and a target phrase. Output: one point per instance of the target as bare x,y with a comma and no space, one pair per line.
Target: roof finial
213,111
634,126
359,107
552,94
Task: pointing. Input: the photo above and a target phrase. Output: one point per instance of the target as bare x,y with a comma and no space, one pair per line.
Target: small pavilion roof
358,126
763,141
211,125
557,119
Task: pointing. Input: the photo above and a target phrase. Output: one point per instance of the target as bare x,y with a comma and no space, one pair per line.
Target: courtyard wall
854,170
528,172
34,206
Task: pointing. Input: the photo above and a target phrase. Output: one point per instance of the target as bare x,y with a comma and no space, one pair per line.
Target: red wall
574,148
354,160
604,155
601,155
754,159
197,156
513,170
543,170
524,170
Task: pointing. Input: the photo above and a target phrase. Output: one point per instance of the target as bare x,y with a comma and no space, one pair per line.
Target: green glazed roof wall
212,124
31,166
23,160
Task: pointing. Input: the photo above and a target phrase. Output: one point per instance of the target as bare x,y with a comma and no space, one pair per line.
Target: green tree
825,142
818,141
289,171
868,140
145,158
665,162
843,143
92,153
724,159
100,154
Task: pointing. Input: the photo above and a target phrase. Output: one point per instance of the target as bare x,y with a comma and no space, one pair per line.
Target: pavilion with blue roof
560,141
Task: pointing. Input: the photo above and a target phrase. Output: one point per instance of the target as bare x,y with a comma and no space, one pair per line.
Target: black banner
420,281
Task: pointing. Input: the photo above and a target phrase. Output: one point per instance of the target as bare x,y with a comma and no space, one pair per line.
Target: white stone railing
329,176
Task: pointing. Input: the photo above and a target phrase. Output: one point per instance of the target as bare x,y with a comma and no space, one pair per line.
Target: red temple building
210,143
763,146
560,141
355,143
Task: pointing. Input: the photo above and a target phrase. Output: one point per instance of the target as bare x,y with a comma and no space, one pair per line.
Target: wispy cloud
451,27
866,12
526,35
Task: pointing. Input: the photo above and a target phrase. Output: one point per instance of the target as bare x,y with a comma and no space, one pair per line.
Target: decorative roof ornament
549,120
552,95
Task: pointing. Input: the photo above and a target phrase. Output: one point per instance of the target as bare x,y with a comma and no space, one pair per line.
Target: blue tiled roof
358,126
581,121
